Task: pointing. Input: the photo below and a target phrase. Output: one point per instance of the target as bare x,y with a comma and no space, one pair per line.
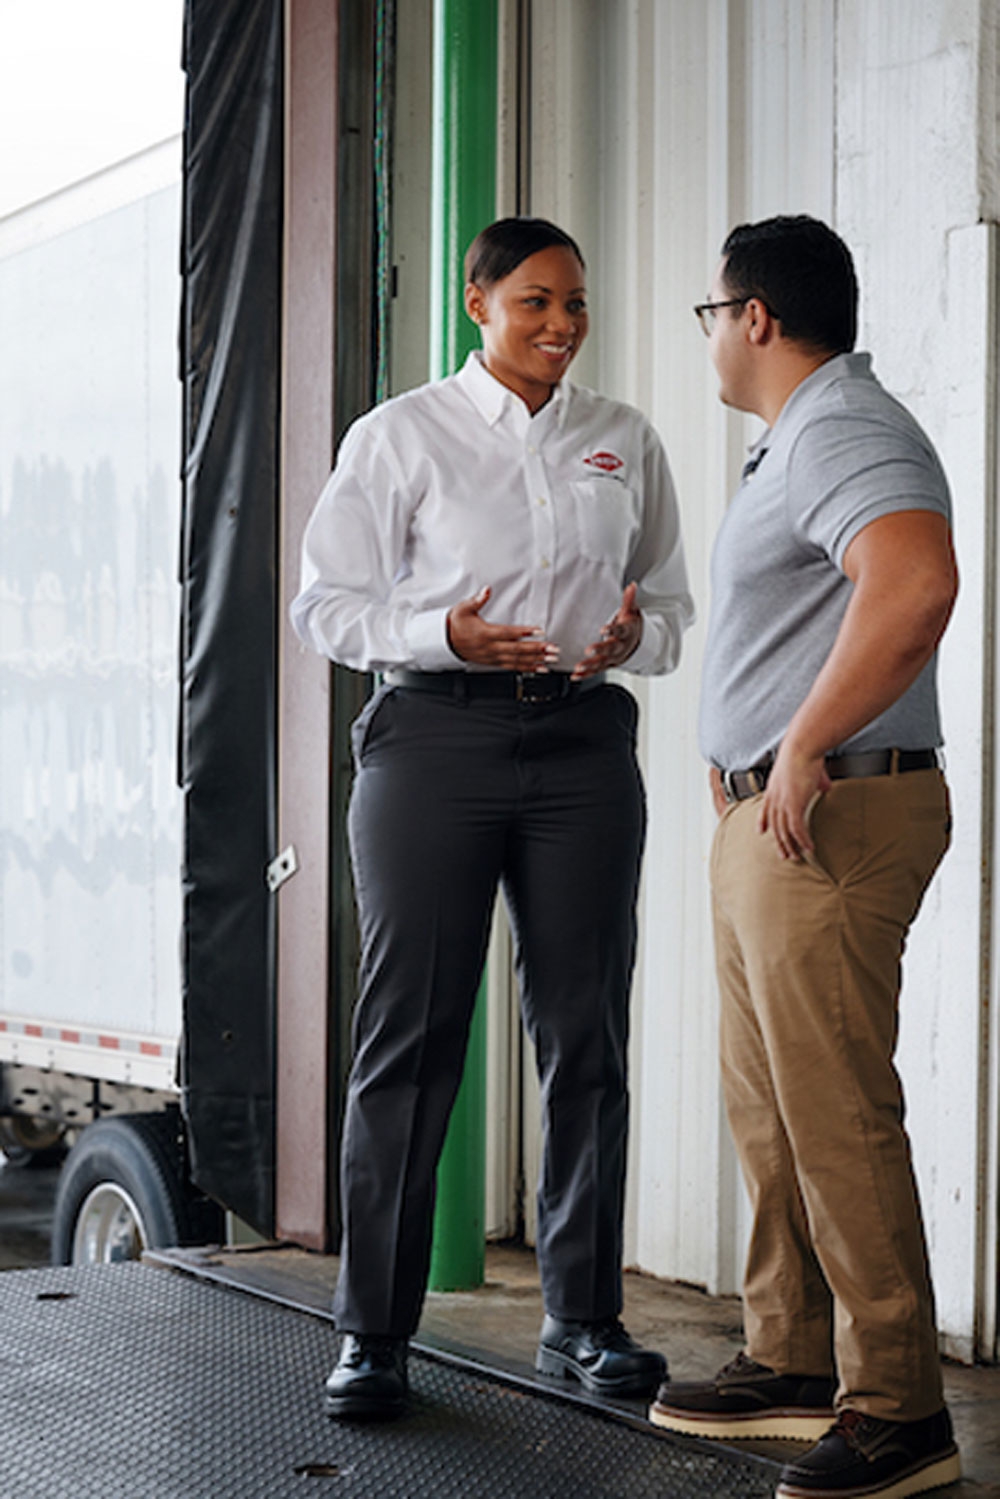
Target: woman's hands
617,640
520,648
524,648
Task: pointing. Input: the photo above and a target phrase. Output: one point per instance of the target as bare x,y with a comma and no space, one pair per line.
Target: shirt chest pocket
604,520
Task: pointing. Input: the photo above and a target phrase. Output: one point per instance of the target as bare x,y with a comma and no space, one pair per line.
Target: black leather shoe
601,1355
369,1382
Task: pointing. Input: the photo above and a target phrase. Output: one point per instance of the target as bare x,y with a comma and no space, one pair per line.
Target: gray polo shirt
842,453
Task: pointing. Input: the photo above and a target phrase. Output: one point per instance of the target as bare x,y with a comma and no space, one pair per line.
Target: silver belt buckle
754,780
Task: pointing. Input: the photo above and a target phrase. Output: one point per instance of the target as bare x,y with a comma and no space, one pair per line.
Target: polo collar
857,366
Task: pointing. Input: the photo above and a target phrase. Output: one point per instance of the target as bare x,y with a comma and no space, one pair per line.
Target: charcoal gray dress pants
452,798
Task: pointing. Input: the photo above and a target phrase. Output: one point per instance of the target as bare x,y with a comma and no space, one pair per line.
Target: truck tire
124,1188
26,1141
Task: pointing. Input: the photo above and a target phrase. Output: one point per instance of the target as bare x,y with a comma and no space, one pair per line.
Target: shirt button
532,448
542,500
546,562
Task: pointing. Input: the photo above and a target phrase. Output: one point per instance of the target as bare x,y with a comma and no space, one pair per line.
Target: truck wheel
124,1188
31,1142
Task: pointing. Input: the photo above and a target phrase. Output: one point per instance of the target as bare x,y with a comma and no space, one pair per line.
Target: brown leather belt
738,785
515,686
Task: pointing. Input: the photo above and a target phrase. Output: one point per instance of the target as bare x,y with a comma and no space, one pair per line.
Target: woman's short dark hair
500,247
803,273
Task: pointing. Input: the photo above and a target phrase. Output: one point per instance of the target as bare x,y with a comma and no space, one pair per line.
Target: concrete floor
497,1325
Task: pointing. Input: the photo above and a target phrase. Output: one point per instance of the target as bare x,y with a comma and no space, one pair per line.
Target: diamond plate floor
129,1382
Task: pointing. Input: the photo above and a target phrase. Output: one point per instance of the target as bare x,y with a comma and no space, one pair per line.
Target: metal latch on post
282,868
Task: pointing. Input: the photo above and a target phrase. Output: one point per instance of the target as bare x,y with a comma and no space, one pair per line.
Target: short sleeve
848,469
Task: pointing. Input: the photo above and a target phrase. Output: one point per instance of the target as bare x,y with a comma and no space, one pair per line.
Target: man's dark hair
500,247
803,273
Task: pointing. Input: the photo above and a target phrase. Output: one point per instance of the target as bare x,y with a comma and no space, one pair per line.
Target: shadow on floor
26,1196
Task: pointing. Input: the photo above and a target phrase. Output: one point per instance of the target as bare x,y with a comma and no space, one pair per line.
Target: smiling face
532,322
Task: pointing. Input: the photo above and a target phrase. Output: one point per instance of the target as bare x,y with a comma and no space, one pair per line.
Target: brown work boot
862,1455
746,1400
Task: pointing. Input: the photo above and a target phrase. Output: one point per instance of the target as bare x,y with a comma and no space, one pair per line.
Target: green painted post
459,1243
463,202
463,190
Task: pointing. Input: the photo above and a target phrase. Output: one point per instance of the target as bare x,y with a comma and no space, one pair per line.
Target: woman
494,542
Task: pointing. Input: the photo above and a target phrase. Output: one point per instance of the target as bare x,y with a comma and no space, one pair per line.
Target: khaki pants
808,959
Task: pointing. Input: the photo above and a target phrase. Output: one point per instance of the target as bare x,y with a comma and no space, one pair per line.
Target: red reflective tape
72,1036
110,1043
33,1030
150,1049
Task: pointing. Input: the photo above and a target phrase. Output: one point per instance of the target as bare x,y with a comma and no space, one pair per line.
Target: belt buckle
753,778
525,685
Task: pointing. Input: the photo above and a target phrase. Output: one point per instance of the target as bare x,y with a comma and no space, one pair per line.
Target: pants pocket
363,727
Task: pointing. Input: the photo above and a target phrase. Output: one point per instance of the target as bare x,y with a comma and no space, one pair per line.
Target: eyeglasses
705,312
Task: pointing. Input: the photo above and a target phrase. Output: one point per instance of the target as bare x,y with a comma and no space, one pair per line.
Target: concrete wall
916,197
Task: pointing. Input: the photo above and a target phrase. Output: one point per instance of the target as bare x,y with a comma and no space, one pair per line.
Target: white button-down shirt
456,485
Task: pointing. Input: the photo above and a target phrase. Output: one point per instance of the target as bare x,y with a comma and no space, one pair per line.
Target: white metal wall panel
699,112
914,104
942,1022
879,118
655,125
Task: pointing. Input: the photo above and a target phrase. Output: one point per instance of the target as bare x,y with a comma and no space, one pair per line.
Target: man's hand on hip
795,783
719,801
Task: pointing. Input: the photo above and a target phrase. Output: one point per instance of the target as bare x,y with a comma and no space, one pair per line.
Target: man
833,579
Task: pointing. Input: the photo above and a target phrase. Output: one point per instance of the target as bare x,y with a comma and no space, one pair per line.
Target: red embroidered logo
606,462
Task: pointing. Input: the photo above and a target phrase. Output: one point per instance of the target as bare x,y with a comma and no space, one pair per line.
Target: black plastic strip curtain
230,347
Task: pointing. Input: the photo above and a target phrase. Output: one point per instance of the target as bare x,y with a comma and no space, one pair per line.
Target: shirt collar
493,400
858,366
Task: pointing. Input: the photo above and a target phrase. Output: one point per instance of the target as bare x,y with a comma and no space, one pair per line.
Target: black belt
514,686
740,784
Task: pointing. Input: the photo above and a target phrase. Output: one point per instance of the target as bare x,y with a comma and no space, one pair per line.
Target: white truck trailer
90,812
183,340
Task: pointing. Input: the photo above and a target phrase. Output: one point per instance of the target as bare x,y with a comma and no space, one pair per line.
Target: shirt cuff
646,656
427,641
